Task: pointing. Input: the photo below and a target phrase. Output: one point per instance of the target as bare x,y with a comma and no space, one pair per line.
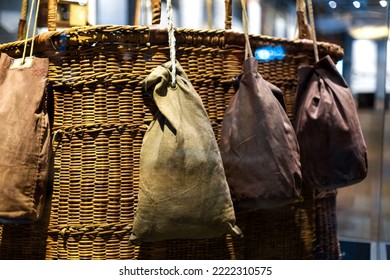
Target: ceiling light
80,2
332,4
383,3
356,4
369,32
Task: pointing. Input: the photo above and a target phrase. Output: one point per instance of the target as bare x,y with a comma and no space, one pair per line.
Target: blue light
270,53
264,54
279,53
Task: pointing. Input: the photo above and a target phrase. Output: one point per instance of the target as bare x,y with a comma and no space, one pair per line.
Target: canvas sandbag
333,149
258,145
24,139
183,190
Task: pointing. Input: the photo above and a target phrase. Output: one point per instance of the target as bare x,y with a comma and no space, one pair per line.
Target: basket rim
55,43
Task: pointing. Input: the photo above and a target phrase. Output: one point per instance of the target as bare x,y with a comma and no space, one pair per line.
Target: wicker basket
99,116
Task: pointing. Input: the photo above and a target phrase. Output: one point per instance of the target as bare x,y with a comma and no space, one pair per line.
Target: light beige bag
183,189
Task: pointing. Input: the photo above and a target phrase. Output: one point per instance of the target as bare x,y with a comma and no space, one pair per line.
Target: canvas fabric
183,190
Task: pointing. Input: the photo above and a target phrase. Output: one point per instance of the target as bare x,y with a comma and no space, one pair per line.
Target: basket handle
303,27
156,13
228,14
304,30
313,35
51,15
22,20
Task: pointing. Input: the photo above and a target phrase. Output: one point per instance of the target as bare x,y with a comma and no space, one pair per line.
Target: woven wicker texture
326,243
100,114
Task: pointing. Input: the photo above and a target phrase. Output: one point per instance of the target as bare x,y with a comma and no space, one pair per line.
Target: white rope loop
172,41
35,27
313,30
28,29
248,49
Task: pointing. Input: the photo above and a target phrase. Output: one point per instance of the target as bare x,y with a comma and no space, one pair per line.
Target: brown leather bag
24,139
333,150
183,190
258,145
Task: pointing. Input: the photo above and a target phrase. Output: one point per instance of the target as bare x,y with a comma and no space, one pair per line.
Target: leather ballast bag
333,149
258,145
24,139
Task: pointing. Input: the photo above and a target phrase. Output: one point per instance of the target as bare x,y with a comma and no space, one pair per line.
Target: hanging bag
24,137
183,190
99,113
333,149
258,144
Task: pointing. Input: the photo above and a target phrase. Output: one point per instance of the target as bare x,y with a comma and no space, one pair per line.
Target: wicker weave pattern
99,118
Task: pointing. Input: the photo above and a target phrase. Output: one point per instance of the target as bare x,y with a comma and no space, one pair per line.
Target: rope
35,27
22,20
28,30
137,11
248,49
209,14
313,30
23,12
172,41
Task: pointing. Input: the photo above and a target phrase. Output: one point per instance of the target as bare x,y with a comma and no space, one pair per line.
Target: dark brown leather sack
183,190
333,150
24,140
277,92
258,145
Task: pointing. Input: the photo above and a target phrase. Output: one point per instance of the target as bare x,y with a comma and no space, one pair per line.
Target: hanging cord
248,49
22,20
172,41
209,14
313,30
28,30
137,11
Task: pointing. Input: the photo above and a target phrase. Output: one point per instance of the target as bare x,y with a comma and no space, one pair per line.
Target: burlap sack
258,145
24,140
333,149
183,190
